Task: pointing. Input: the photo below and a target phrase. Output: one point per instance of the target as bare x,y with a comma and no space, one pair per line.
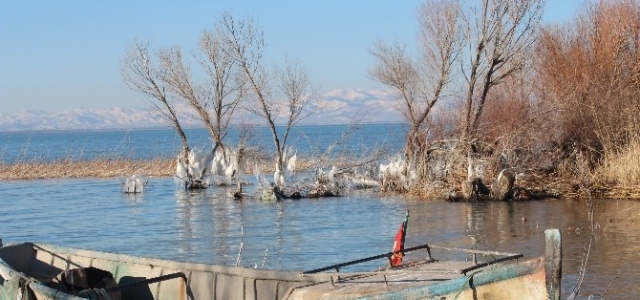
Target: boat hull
200,281
28,267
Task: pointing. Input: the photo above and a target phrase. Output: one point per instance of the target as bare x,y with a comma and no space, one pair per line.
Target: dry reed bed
97,168
108,168
572,188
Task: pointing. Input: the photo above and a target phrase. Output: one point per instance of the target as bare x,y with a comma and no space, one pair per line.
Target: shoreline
566,187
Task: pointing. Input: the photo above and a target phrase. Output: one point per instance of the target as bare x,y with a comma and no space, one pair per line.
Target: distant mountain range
336,107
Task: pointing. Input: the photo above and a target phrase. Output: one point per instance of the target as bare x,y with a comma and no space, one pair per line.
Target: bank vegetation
493,92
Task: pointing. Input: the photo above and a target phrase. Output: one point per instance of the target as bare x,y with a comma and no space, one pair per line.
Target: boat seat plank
229,287
205,281
174,289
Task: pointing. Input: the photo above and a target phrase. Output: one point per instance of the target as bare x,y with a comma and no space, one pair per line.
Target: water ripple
209,227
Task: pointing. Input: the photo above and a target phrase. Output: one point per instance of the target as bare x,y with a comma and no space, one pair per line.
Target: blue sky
58,55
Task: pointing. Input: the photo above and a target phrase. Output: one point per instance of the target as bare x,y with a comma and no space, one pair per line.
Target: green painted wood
457,285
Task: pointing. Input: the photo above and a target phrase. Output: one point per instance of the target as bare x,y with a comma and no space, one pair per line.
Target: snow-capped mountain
79,119
335,107
345,105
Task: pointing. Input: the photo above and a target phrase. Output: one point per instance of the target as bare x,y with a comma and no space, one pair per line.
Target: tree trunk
502,188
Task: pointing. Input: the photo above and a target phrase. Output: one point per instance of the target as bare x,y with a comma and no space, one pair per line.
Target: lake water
144,144
209,227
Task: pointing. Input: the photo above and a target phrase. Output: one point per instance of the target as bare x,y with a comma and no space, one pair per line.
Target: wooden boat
38,271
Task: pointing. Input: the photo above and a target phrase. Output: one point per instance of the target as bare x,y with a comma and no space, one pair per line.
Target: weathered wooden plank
553,262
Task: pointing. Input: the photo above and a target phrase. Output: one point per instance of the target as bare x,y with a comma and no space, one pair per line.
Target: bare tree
226,87
489,40
217,99
140,74
214,100
421,82
281,94
295,89
500,34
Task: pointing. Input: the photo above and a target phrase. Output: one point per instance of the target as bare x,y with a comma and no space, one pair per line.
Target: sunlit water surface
210,227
